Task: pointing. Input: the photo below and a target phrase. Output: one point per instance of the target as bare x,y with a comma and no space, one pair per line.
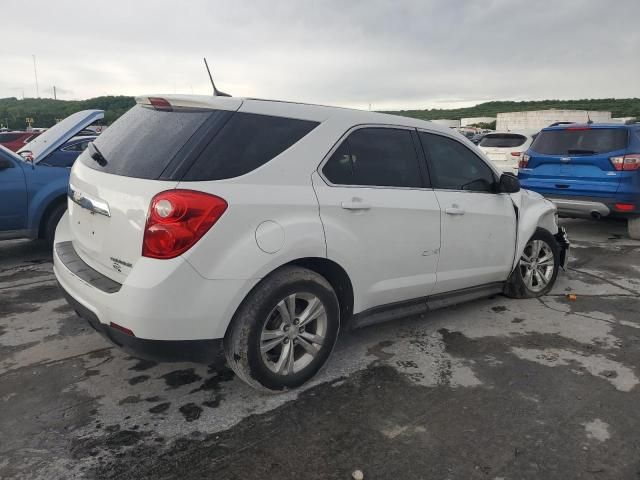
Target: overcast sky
388,53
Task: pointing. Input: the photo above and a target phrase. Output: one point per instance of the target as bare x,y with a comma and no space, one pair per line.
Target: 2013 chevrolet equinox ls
265,227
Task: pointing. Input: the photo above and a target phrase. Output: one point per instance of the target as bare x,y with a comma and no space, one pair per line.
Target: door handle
454,210
355,204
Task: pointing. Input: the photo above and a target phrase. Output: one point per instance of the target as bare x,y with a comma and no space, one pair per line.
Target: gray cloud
392,54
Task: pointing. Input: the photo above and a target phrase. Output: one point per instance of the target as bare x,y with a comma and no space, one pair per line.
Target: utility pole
54,93
35,74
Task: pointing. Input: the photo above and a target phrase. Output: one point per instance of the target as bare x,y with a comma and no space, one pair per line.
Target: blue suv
588,170
34,184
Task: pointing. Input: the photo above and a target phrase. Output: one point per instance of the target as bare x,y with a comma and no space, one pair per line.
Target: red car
14,141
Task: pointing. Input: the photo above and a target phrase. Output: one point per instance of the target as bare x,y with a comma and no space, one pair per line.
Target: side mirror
4,164
509,183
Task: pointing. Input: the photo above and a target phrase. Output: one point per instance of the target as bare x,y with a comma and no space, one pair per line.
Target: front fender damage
534,211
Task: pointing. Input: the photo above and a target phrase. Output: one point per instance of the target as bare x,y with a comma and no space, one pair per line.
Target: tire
51,222
262,335
531,277
633,227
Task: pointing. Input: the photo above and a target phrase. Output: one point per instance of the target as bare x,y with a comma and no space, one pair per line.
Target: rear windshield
502,140
580,141
144,141
10,137
193,145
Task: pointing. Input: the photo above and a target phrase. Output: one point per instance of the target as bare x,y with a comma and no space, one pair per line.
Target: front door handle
355,204
454,210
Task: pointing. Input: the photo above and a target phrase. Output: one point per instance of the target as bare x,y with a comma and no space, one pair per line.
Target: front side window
452,166
382,157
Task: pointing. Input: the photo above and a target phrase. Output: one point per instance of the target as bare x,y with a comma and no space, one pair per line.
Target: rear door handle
355,204
454,211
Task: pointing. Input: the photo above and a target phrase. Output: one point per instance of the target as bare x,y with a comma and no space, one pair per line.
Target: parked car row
34,181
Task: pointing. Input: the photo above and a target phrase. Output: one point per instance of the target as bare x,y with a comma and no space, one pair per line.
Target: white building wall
447,123
473,120
538,119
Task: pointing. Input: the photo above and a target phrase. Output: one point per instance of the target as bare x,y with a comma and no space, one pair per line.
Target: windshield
585,141
502,140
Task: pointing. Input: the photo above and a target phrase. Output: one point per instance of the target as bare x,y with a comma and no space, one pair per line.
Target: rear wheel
633,227
537,267
284,331
51,222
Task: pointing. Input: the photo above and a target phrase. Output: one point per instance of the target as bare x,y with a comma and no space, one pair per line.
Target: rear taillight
516,154
177,219
624,207
626,162
524,161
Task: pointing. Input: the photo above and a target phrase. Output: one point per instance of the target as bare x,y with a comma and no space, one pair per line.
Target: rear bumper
166,302
199,351
592,207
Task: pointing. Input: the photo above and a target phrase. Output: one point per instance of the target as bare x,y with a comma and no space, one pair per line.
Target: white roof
303,111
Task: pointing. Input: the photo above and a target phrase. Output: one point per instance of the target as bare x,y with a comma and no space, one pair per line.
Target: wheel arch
335,274
53,204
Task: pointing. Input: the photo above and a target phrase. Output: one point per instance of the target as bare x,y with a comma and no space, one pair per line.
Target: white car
265,227
505,149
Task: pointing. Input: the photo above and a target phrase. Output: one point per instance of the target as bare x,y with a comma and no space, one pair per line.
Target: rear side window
502,140
246,142
588,141
144,141
452,166
383,157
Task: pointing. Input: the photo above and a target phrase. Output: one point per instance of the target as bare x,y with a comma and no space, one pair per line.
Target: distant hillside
622,107
45,111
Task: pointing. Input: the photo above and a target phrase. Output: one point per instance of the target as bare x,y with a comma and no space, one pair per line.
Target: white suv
264,227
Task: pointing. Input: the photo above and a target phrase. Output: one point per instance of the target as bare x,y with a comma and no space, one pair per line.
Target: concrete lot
496,389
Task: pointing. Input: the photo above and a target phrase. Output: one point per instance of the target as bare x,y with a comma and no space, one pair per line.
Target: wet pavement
495,389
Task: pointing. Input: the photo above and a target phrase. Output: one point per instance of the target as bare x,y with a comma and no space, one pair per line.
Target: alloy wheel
537,265
294,333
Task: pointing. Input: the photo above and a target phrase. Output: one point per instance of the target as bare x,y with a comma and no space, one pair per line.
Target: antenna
216,92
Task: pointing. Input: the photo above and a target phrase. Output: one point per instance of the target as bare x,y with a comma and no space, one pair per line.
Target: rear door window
502,140
382,157
580,141
452,166
246,142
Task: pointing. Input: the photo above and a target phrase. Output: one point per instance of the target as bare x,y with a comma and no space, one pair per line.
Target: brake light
160,104
177,219
624,207
573,129
626,162
524,161
515,154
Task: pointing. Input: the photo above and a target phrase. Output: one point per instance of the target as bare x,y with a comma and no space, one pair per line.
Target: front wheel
537,267
284,331
51,222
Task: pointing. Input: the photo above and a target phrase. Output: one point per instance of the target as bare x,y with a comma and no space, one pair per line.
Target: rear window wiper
579,151
95,154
